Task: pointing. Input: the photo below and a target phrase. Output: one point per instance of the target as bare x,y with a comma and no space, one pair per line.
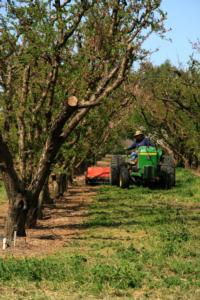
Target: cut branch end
72,101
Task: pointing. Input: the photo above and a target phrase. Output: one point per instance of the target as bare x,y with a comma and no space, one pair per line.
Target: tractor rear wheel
168,178
124,179
116,162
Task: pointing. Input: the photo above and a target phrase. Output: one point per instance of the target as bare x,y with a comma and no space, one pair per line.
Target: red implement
95,175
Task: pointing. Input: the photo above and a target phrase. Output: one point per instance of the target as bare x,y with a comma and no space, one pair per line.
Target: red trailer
97,175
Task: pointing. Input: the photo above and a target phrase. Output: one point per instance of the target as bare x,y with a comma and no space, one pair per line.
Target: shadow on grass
142,216
137,206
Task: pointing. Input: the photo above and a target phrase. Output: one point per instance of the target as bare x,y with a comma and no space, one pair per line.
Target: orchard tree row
61,65
167,106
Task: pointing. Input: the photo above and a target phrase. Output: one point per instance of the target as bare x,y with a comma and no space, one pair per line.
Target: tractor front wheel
116,162
168,176
124,179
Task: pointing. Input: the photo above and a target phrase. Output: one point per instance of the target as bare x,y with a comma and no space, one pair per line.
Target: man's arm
148,142
133,146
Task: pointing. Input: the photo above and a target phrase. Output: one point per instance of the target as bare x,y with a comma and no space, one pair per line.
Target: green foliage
50,51
167,107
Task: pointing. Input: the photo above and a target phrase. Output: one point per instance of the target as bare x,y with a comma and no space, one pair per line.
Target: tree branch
52,145
6,161
51,80
21,121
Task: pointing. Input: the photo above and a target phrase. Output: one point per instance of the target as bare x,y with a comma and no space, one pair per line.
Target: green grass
139,243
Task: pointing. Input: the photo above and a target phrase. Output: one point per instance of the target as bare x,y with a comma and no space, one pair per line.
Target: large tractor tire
124,179
116,162
168,177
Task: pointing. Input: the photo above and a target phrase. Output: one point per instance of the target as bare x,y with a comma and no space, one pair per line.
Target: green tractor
152,166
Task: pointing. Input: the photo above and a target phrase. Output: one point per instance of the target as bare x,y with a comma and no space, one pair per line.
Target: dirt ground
59,223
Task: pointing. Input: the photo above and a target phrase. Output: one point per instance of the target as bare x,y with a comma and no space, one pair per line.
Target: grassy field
136,244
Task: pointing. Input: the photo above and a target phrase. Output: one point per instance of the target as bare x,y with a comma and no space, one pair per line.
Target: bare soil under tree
59,223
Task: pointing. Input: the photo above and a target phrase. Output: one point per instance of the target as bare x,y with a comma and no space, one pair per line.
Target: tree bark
45,194
17,195
62,184
21,122
44,198
32,213
16,218
52,146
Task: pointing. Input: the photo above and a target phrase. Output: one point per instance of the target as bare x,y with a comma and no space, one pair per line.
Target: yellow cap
138,132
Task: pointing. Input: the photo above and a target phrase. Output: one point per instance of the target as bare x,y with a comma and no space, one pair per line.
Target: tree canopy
58,60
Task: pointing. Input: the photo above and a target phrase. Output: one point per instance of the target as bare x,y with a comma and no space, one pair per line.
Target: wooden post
4,243
14,238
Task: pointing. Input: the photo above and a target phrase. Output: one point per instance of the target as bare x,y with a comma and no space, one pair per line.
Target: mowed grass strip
139,243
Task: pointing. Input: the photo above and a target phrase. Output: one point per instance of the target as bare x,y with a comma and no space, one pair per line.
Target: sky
184,20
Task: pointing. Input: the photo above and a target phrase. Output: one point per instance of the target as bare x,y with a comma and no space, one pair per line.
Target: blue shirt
144,142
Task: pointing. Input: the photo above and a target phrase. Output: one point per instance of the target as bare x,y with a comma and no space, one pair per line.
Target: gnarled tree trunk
16,218
17,211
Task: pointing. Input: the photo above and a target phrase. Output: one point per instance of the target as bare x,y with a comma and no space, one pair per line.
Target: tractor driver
140,140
